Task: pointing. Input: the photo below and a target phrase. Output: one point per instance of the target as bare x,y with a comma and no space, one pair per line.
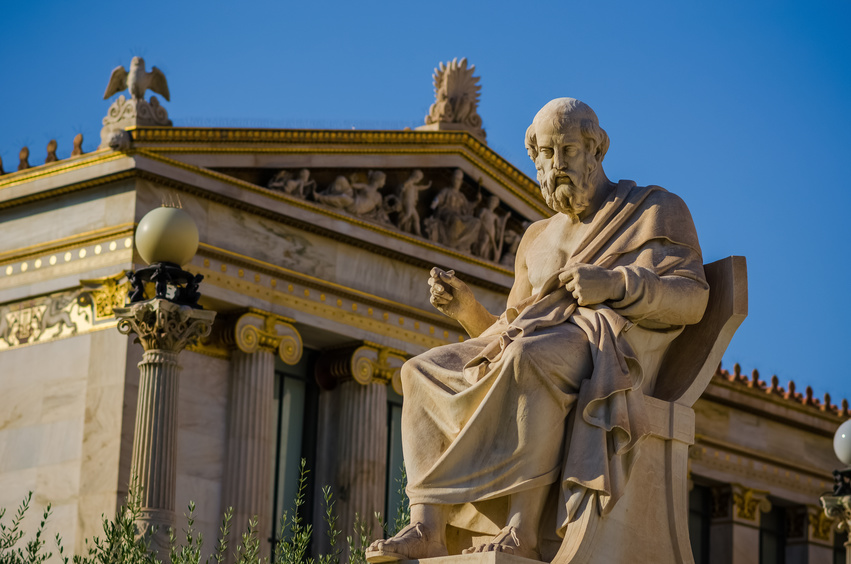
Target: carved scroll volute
259,330
365,363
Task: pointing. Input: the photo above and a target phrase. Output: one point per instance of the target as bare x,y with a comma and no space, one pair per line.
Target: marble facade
351,287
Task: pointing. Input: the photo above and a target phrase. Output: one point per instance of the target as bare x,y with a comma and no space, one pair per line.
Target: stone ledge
478,558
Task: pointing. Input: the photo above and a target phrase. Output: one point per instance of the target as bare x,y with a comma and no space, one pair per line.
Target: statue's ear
531,142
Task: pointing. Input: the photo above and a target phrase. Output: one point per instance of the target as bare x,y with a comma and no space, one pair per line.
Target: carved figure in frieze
339,194
453,222
511,240
409,195
489,246
56,315
5,326
299,187
368,201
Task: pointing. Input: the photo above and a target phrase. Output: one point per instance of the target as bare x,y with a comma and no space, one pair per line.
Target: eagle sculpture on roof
138,80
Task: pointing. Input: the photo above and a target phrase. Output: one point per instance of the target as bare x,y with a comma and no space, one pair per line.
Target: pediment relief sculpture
478,225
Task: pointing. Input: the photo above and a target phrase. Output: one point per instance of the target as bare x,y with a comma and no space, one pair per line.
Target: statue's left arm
663,285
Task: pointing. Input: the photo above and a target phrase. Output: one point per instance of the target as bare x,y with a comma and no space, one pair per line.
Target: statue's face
564,167
457,178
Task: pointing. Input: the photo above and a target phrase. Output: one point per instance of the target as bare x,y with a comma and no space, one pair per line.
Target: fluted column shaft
250,439
155,438
164,329
362,452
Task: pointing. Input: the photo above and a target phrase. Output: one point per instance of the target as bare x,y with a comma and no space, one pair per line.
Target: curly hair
570,112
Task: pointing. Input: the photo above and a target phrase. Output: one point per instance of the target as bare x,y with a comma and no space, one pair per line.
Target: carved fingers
591,284
449,294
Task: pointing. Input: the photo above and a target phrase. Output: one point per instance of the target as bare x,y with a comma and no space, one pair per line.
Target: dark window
839,540
699,520
395,463
296,408
772,536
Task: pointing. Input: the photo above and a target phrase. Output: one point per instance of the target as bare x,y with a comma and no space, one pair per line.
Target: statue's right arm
455,299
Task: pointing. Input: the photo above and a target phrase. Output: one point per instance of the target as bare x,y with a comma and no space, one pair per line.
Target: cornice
58,167
322,139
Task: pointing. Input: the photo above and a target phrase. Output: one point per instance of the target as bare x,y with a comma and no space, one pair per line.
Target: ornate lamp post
838,505
166,238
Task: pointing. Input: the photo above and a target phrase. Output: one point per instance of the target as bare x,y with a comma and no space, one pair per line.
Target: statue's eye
547,152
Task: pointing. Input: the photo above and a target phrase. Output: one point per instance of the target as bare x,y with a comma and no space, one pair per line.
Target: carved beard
564,193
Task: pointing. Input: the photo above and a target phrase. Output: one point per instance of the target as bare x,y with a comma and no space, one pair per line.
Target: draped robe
488,417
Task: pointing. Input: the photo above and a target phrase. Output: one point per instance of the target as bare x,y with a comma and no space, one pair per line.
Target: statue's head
457,178
567,145
137,62
416,175
493,202
304,174
377,178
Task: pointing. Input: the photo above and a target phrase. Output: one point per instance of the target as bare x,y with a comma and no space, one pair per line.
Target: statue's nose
558,160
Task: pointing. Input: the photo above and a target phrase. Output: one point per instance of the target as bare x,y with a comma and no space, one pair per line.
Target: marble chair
650,522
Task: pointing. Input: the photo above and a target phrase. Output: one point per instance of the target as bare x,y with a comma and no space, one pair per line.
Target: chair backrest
693,357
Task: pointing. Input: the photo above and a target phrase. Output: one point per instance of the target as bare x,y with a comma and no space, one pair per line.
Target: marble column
356,378
838,508
734,532
258,337
164,329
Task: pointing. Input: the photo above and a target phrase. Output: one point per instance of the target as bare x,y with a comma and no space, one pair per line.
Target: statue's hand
592,284
449,295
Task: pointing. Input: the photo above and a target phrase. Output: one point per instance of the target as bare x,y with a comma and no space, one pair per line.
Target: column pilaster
734,532
163,329
257,338
358,375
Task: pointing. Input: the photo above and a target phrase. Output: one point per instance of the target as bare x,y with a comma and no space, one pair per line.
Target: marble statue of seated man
601,289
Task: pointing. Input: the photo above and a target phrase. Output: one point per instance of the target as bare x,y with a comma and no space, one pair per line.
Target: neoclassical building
315,249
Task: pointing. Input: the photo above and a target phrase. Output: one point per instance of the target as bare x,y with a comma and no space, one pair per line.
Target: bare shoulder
533,232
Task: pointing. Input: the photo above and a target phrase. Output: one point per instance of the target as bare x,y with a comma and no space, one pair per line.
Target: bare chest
552,249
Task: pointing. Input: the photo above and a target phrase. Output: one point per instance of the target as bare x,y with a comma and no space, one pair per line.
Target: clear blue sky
741,108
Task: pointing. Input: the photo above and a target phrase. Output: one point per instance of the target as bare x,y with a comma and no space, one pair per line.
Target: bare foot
509,542
411,543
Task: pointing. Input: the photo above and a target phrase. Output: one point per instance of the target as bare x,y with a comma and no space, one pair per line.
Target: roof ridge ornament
124,113
456,93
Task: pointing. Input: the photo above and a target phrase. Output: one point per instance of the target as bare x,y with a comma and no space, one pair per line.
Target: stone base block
480,558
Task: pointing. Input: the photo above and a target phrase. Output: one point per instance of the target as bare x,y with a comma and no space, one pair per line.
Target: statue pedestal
480,558
124,113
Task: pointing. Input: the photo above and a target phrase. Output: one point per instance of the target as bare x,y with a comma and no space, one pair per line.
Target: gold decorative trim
365,298
748,501
59,167
365,362
107,294
58,245
378,317
703,441
820,524
260,330
43,319
67,189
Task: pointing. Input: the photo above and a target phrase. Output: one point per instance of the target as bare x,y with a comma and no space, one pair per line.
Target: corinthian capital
162,325
257,330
